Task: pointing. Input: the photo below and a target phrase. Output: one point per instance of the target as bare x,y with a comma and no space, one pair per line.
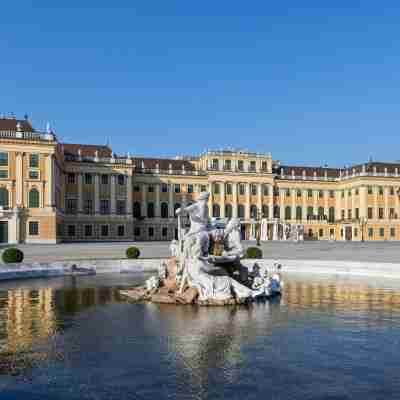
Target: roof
298,171
87,150
10,125
163,163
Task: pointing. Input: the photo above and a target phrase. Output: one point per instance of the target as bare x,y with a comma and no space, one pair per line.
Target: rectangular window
203,188
33,228
121,180
33,174
342,194
252,166
136,188
190,188
71,178
391,191
266,190
71,230
357,192
370,232
88,206
298,193
349,214
240,165
88,230
264,165
177,188
121,230
72,206
215,164
349,193
355,232
104,230
332,194
381,232
164,188
342,214
228,189
321,233
228,165
370,191
104,207
241,189
104,179
121,207
309,193
370,213
151,231
88,179
3,159
136,231
380,190
357,211
287,193
321,194
392,232
164,231
150,189
34,160
216,188
3,174
391,213
254,190
380,213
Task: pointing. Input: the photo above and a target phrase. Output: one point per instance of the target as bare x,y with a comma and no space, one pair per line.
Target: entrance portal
349,233
3,232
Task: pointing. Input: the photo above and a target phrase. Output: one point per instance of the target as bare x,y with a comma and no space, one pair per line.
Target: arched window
321,212
176,206
240,211
331,214
299,213
34,198
310,212
4,197
150,210
253,211
288,213
228,211
277,211
137,210
164,210
265,211
216,211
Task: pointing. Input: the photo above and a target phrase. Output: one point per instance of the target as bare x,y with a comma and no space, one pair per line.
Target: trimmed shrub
132,252
254,252
12,255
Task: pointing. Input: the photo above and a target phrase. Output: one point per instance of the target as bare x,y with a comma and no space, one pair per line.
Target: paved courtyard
346,251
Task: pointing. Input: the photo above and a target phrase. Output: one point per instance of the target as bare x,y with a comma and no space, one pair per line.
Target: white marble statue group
209,260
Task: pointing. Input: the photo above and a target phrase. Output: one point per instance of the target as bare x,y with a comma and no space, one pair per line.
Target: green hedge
132,252
254,252
12,255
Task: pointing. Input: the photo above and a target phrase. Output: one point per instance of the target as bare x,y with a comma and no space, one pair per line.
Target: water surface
75,338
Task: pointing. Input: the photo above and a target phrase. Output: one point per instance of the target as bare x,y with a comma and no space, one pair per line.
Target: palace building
53,192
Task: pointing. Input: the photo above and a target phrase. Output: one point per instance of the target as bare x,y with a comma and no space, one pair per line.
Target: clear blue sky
307,82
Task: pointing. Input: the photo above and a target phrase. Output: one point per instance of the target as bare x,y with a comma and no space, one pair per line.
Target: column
80,192
281,205
346,204
234,195
113,194
144,202
271,202
338,201
50,181
210,200
129,204
386,200
326,203
247,204
363,202
259,199
170,200
222,203
97,193
294,194
19,180
315,202
375,215
157,212
304,197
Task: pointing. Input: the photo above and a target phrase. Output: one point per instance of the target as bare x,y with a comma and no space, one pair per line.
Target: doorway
348,233
3,232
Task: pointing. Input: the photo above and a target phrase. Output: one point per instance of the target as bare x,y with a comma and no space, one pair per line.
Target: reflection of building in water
27,315
340,295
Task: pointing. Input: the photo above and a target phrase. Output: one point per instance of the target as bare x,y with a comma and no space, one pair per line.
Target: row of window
227,165
33,198
88,206
137,232
33,160
177,188
88,179
88,230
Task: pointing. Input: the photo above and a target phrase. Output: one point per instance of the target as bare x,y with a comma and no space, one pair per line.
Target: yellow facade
52,192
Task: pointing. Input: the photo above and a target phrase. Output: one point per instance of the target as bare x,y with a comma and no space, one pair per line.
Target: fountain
205,266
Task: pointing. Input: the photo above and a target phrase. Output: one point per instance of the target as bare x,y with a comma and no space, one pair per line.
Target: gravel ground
346,251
